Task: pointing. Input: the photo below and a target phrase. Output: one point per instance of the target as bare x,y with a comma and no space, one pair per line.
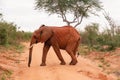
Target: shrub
7,33
97,40
3,36
24,36
90,35
10,36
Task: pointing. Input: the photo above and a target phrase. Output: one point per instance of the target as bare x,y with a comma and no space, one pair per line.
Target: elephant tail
78,54
78,43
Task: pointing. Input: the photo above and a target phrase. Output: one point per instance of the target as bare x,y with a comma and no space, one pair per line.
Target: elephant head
40,35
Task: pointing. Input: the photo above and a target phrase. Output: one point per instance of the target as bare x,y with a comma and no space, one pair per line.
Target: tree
78,9
113,33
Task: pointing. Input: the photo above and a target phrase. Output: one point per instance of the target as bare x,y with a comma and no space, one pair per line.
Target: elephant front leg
44,55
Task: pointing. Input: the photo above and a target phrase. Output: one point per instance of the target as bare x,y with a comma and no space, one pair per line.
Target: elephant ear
45,33
42,26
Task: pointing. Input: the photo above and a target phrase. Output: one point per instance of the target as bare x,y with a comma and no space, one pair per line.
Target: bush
24,36
3,36
90,35
97,40
7,33
10,36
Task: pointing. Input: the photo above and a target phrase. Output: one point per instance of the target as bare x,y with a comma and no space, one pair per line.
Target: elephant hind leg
58,53
72,51
74,60
76,48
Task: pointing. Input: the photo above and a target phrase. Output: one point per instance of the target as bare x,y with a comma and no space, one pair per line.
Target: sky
23,14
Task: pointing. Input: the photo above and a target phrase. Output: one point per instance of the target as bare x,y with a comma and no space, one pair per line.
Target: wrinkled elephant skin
65,37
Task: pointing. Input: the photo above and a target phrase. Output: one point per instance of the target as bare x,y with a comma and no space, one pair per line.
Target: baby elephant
65,37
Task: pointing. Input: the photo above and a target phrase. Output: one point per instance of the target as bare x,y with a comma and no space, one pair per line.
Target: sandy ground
85,69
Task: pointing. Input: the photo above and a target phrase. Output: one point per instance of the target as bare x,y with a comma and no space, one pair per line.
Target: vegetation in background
90,35
10,36
106,40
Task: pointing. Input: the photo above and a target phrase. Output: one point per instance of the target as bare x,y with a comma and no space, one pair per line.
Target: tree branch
79,22
82,16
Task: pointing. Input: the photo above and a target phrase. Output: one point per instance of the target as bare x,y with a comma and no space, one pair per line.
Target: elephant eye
35,37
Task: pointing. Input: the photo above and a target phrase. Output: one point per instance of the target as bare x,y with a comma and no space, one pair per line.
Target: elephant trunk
30,55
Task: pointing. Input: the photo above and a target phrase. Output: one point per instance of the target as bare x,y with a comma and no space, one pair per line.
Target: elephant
64,37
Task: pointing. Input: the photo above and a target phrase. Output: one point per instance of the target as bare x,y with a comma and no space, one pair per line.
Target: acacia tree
77,8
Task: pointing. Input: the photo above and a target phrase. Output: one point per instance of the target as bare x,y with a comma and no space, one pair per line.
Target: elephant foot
28,65
62,63
42,64
73,62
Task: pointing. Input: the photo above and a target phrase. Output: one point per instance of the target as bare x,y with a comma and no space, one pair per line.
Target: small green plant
6,74
83,50
107,65
100,65
18,61
3,77
9,73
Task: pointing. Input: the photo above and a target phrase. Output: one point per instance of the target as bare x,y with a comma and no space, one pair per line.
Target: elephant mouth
33,44
36,41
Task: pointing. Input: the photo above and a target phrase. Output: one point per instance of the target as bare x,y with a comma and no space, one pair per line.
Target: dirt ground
86,68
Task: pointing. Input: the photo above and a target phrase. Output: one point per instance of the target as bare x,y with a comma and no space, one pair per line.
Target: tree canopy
77,8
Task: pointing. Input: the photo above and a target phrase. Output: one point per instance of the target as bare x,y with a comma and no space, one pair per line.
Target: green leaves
7,33
103,41
78,8
3,35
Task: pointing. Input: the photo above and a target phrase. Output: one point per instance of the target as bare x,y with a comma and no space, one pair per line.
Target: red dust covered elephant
65,37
